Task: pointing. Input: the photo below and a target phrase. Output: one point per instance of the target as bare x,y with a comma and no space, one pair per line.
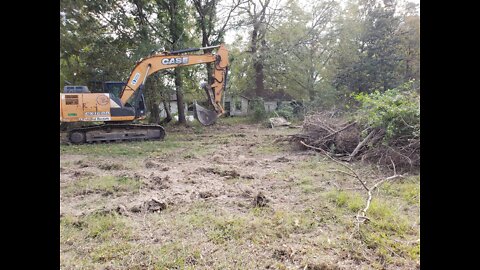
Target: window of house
238,105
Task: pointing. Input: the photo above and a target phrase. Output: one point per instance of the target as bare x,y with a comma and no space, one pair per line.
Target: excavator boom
146,67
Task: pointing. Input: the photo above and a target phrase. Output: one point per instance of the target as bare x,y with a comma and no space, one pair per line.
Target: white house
173,106
236,105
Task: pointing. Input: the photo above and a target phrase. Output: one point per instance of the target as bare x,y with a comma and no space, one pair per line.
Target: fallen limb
361,216
354,174
370,190
360,145
340,130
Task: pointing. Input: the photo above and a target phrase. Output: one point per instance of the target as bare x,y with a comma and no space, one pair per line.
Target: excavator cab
136,104
113,87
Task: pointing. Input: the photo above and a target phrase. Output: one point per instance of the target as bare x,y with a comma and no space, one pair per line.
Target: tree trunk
166,106
180,103
154,113
257,61
259,78
168,112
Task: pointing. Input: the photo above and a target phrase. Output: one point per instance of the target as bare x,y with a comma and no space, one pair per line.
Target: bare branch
361,144
222,29
338,162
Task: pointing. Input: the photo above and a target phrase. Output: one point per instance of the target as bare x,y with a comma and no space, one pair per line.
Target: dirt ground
227,197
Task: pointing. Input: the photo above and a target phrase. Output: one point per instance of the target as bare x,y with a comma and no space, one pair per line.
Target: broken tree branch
360,145
361,216
338,162
370,190
342,129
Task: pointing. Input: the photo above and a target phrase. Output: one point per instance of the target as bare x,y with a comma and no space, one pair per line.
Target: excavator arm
147,66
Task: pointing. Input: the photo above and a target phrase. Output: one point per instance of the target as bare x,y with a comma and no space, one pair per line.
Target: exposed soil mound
260,200
155,205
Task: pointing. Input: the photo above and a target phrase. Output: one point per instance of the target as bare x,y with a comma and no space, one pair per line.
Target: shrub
396,111
257,110
285,111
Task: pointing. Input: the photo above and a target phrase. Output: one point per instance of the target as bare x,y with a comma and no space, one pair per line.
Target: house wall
173,109
244,105
270,106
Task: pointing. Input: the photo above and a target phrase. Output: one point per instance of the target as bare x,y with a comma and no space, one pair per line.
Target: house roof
270,95
242,96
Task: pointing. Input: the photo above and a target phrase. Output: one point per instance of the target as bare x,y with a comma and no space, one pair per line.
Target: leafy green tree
378,48
301,47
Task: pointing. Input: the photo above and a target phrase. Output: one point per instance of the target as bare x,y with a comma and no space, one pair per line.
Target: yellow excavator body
88,107
79,105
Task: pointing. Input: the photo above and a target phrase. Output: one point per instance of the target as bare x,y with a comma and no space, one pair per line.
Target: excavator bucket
204,116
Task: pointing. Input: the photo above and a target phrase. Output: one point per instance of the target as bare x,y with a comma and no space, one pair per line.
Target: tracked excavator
117,113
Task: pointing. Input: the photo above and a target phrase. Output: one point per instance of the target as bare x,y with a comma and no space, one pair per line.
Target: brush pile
330,133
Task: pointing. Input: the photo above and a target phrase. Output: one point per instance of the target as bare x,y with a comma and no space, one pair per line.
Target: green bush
257,110
397,111
285,111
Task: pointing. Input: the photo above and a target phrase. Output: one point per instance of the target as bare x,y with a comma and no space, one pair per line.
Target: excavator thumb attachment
204,116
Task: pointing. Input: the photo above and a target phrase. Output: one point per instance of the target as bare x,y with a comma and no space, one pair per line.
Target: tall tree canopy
318,52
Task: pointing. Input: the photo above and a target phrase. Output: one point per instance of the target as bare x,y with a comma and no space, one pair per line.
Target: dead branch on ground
362,214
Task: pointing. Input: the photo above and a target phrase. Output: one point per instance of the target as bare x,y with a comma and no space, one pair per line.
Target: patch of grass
387,231
197,127
105,184
408,190
389,234
268,149
111,166
258,225
175,255
94,239
126,149
71,230
235,120
95,226
111,251
199,215
267,226
106,226
349,200
387,247
294,222
386,218
306,184
227,229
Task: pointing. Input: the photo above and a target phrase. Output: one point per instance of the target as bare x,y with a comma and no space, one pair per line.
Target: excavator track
116,133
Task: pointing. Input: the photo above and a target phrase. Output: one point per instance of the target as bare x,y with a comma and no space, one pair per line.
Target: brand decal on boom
173,61
135,78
